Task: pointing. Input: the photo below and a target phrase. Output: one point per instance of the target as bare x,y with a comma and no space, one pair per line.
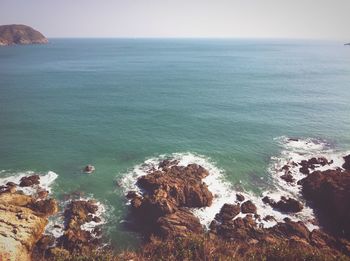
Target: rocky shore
163,209
170,192
24,218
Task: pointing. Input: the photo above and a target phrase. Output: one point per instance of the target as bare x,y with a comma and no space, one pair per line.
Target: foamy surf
46,181
221,189
292,150
56,227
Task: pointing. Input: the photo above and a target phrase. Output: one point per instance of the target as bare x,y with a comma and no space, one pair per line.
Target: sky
302,19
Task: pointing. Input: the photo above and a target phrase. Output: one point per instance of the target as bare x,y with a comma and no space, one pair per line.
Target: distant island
347,44
20,34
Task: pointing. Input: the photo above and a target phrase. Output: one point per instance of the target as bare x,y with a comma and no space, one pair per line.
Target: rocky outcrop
329,191
228,212
346,164
248,207
244,232
284,204
21,225
20,34
168,193
76,239
311,164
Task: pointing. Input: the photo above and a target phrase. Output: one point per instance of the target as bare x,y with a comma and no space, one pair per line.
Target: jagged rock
228,212
179,224
45,207
285,204
240,197
75,239
20,227
306,165
248,207
29,181
288,177
166,192
346,164
290,228
329,191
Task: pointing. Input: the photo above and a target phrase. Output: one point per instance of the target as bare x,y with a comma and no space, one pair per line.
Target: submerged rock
89,169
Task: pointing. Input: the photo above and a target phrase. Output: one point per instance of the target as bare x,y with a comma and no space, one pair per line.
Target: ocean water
117,103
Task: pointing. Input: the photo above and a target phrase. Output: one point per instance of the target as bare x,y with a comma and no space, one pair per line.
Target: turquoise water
116,102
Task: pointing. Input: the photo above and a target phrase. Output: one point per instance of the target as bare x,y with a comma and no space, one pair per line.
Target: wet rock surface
248,207
284,204
346,164
329,192
167,192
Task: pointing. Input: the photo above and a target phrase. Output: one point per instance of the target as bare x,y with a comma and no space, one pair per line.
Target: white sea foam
221,189
292,150
46,181
55,226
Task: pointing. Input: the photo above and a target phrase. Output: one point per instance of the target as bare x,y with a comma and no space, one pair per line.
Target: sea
239,107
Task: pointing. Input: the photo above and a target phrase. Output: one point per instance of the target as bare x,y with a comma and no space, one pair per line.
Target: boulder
20,227
89,169
346,164
228,212
288,177
248,207
178,224
329,191
45,207
240,197
29,181
284,204
167,191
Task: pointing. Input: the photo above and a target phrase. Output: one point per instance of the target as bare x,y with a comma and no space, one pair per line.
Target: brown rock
29,181
179,224
346,164
89,169
20,227
248,207
228,212
166,192
285,204
240,197
45,207
288,177
329,191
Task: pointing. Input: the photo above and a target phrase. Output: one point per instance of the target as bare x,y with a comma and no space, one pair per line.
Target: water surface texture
115,103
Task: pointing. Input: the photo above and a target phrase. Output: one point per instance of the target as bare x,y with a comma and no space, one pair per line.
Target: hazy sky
182,18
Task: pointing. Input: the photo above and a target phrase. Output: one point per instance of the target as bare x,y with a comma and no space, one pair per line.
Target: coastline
227,215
